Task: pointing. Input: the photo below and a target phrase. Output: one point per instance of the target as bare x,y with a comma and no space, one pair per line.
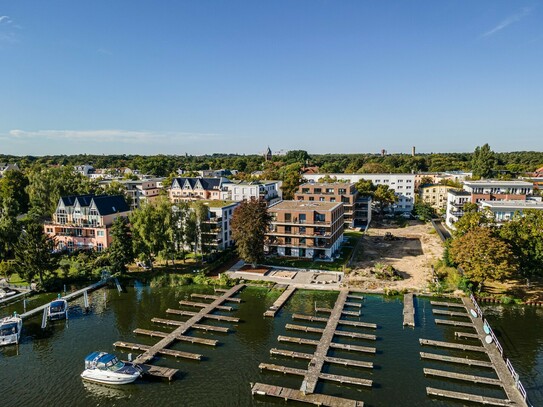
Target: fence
508,363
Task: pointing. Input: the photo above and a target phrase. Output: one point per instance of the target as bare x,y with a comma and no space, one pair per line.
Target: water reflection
110,392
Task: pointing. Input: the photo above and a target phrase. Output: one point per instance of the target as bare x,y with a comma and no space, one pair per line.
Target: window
317,190
332,199
302,241
100,233
311,198
301,230
288,217
305,190
342,191
321,199
302,217
288,229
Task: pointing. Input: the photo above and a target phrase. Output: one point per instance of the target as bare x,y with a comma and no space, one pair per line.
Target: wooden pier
286,393
163,351
448,304
182,338
454,323
451,345
408,310
202,327
312,318
214,297
455,395
158,371
278,304
463,377
343,312
328,359
450,313
337,333
193,322
451,359
207,316
204,304
355,297
466,335
68,297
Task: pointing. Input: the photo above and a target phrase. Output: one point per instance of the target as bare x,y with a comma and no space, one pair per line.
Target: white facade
269,191
221,217
499,187
455,203
402,184
504,211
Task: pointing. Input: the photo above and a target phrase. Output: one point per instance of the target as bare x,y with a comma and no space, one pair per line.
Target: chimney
413,151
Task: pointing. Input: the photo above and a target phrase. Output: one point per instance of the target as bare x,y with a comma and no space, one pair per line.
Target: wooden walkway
455,395
214,297
336,333
207,316
408,310
495,357
311,318
67,297
450,313
463,377
283,298
454,323
328,359
451,359
448,304
182,329
286,393
452,345
183,338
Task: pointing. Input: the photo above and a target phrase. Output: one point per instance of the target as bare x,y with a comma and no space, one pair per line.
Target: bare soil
412,252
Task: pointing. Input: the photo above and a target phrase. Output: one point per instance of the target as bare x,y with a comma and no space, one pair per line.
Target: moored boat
106,368
58,309
10,330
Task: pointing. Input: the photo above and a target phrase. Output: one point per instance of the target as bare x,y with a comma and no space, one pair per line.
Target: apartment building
504,211
83,222
485,191
343,192
190,189
403,185
270,191
435,195
306,229
218,233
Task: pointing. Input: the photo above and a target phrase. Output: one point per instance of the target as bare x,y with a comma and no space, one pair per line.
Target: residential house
305,229
219,231
270,191
83,222
190,189
504,211
403,185
435,195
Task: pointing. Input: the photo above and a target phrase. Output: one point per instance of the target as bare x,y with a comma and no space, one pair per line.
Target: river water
44,369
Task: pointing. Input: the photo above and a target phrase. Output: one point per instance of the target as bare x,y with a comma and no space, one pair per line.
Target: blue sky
175,77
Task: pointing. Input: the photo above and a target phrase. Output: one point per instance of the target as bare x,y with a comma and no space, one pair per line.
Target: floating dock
408,310
183,327
463,377
451,359
214,297
328,359
454,323
455,395
286,393
450,313
182,338
448,304
452,345
278,304
207,316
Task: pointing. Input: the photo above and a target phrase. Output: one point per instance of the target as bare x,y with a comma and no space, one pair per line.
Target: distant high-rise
413,151
383,152
268,154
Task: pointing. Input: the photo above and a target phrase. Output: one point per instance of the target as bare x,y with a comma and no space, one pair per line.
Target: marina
344,377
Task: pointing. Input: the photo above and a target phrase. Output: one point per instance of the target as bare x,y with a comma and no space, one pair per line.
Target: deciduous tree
121,251
483,256
483,162
384,196
250,223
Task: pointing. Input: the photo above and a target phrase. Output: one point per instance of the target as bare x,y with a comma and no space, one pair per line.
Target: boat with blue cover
106,368
58,309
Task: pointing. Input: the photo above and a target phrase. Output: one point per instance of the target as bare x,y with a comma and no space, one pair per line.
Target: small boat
58,309
6,292
10,329
102,367
473,313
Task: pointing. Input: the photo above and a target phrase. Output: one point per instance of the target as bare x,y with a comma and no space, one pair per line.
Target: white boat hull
9,339
101,376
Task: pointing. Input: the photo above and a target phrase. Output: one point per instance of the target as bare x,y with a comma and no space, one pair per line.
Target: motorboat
6,292
58,309
10,329
106,368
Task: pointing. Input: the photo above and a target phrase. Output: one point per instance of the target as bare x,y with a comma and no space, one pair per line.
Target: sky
230,76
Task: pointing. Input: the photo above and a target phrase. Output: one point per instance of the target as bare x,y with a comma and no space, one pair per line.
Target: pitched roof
207,183
109,204
84,200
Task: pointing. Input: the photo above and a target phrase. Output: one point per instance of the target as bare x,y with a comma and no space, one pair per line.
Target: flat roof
304,205
214,203
459,192
514,204
496,182
325,184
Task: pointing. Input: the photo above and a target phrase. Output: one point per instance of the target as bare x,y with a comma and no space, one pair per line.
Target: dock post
64,289
44,319
86,300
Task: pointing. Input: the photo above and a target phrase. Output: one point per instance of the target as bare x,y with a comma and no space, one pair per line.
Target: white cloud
514,18
5,20
112,136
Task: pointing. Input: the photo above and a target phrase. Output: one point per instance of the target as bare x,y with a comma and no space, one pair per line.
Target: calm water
44,369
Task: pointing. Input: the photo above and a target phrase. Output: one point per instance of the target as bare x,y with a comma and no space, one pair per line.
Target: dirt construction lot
411,251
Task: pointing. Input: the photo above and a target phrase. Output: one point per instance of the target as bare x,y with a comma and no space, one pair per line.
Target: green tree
250,223
121,251
424,211
12,189
384,196
297,156
290,175
10,228
365,187
482,256
34,253
525,235
483,162
473,220
374,168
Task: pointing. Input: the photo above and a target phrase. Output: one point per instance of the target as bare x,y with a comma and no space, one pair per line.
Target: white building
499,187
455,203
402,184
504,211
220,217
270,191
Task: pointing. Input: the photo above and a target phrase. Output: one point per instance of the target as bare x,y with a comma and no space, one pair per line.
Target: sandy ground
412,253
